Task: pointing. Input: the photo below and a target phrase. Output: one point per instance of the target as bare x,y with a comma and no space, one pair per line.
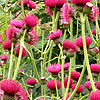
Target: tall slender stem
85,51
56,89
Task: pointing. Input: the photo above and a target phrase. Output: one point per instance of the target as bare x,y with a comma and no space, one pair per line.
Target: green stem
89,30
64,35
71,29
85,51
20,55
11,61
79,81
77,29
4,71
62,70
2,8
68,79
56,89
22,7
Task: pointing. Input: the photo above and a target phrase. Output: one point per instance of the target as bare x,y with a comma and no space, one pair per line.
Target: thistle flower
66,81
79,41
55,35
98,85
60,3
66,66
4,57
94,95
6,45
25,2
24,52
66,14
51,3
94,13
80,2
94,31
51,84
80,88
75,75
49,12
32,4
31,20
31,81
17,23
9,86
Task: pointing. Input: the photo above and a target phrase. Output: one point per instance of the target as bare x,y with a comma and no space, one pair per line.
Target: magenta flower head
25,2
80,88
98,85
94,13
55,35
17,23
51,84
6,45
4,57
22,94
31,81
51,3
95,69
32,4
33,38
31,20
94,95
94,31
80,2
66,14
61,2
21,71
24,52
9,86
79,41
75,75
66,81
49,12
54,69
66,66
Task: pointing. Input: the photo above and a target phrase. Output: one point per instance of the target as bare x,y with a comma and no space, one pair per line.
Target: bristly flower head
31,20
66,81
25,2
51,84
32,4
24,52
75,75
4,57
54,68
95,68
33,38
98,85
17,23
94,95
80,88
68,44
31,81
66,66
66,14
49,12
94,13
6,45
55,35
51,3
9,86
80,2
94,31
79,41
61,2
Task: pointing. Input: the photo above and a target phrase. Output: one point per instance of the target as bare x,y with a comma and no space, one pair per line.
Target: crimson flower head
75,75
51,84
66,81
95,68
9,86
24,52
80,2
49,12
21,71
94,31
31,81
66,66
51,3
94,95
54,68
55,35
25,2
66,14
6,45
22,94
94,13
80,88
79,41
69,45
98,85
33,38
61,2
17,23
31,20
4,57
32,4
